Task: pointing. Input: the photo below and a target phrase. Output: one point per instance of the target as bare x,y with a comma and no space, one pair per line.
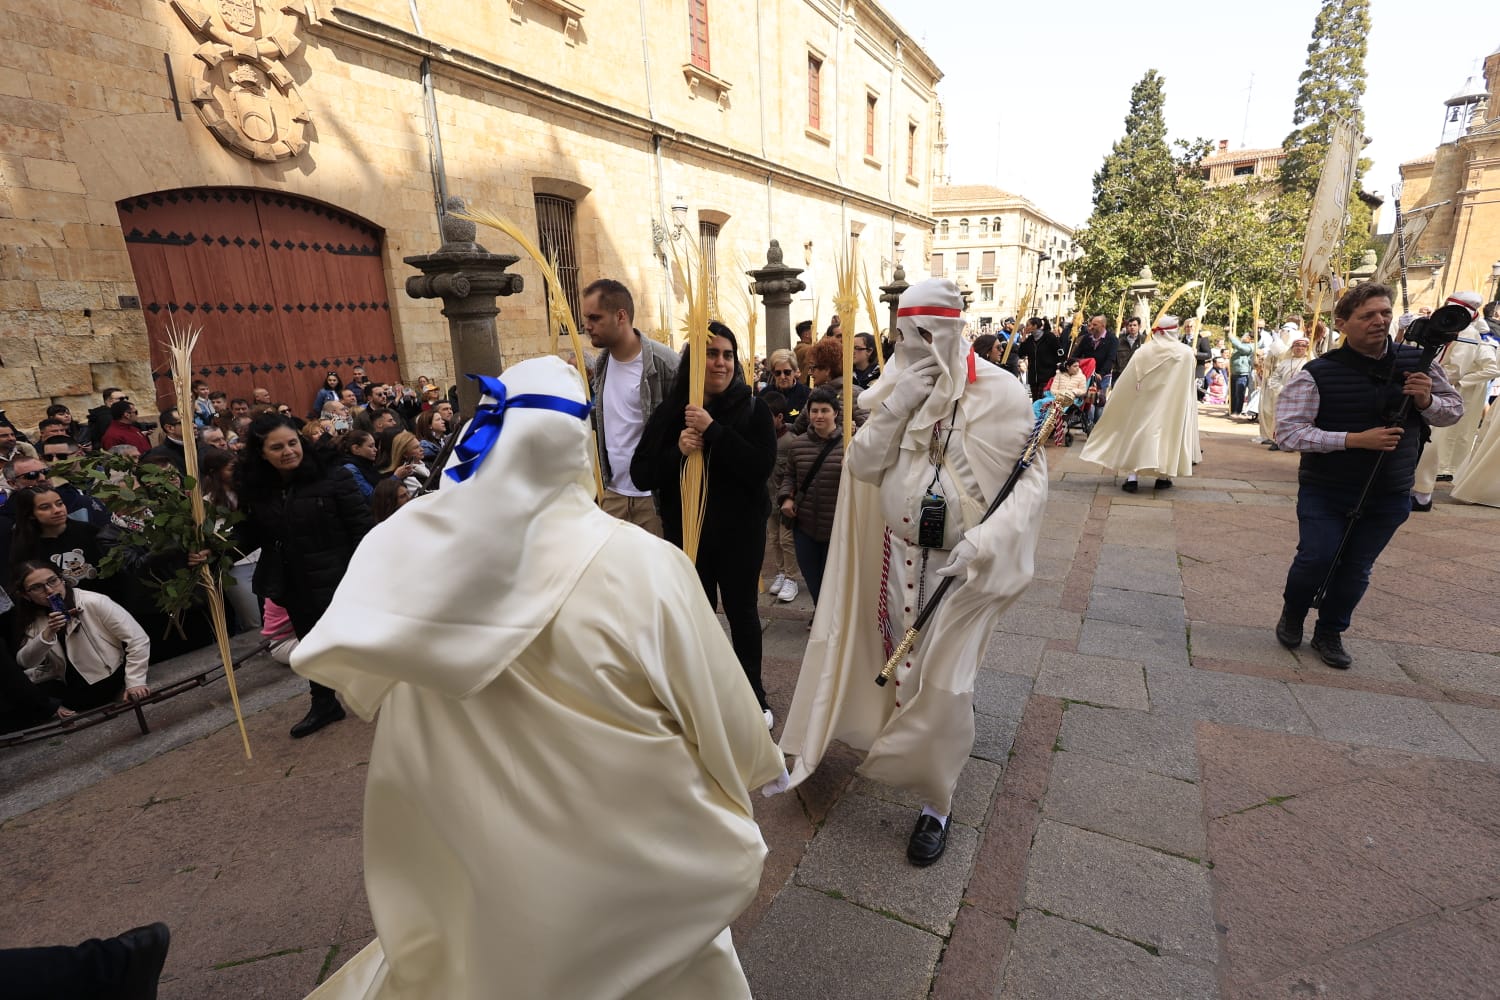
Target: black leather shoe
1446,477
1418,507
146,952
1274,447
929,838
1164,484
1289,628
1330,649
1130,486
321,714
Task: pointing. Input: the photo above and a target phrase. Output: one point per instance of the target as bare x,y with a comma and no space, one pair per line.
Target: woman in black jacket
307,521
738,437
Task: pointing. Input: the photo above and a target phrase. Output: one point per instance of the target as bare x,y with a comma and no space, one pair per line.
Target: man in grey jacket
629,379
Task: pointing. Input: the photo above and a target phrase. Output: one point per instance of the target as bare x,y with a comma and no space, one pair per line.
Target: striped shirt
1297,408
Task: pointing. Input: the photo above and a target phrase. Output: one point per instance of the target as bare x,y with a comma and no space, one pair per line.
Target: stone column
776,283
891,296
468,278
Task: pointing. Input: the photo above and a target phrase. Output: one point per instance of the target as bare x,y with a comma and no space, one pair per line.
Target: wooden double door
284,289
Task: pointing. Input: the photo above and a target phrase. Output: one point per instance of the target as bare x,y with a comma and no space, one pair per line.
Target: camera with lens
1440,329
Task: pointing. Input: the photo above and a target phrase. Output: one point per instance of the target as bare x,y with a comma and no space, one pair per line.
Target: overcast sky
1036,93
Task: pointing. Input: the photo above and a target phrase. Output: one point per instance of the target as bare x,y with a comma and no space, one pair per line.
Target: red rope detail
883,614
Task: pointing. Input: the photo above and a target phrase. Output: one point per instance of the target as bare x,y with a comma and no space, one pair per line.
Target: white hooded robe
557,802
1149,425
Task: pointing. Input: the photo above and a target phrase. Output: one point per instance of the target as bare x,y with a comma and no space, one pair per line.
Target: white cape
1149,425
1469,368
558,801
1478,479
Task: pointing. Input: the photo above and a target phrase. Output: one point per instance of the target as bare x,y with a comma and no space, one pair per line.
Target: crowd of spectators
293,489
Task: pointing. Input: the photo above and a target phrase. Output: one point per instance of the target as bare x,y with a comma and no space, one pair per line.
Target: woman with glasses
88,653
786,378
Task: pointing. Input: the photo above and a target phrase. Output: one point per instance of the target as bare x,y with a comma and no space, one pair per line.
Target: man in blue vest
1338,412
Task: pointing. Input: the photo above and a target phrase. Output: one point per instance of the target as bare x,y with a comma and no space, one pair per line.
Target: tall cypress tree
1140,164
1328,91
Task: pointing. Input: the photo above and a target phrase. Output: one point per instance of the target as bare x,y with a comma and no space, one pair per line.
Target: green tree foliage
1153,206
1328,91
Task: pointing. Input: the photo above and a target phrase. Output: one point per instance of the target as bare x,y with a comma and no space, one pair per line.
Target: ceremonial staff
1039,433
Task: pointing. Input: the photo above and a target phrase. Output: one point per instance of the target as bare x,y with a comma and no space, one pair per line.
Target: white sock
1132,478
1422,497
929,811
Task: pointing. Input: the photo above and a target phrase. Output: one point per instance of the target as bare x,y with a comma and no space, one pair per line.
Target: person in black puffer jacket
738,436
307,520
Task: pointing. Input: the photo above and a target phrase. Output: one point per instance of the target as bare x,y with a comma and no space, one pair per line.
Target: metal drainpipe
656,159
429,114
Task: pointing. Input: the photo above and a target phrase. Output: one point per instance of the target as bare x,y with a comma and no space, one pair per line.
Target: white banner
1390,264
1325,224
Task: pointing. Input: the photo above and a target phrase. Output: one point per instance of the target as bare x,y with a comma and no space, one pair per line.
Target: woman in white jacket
87,654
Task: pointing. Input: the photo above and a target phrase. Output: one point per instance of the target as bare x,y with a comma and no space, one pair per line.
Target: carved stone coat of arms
241,88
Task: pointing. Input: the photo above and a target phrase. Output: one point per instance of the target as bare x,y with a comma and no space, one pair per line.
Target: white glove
778,786
958,563
913,386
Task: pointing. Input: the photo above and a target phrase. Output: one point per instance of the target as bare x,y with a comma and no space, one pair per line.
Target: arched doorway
285,289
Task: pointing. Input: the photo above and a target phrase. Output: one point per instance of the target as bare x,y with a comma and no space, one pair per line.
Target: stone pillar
468,278
1141,291
776,283
891,296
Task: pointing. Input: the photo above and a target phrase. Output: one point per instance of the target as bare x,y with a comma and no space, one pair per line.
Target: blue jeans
1322,514
811,557
1239,388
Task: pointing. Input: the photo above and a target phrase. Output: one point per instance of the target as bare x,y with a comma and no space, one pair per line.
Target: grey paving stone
1126,803
1373,660
1095,679
1126,642
1125,567
1013,654
1203,496
1134,607
1042,622
971,796
993,736
1246,643
1053,568
1123,889
1480,726
1146,535
1451,669
1056,959
1228,698
1002,694
1163,744
1381,720
1263,499
1155,514
1043,592
861,853
1209,483
811,946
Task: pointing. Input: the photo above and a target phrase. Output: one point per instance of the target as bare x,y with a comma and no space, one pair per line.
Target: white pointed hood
936,306
452,588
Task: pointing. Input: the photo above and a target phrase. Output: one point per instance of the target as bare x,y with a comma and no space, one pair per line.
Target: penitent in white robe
1478,479
1469,368
1149,425
919,729
557,803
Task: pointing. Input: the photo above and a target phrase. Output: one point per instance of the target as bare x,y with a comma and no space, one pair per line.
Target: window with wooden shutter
869,124
963,261
937,265
814,92
911,151
987,264
698,29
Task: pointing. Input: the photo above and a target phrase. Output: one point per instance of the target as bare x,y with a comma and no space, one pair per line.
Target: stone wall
529,100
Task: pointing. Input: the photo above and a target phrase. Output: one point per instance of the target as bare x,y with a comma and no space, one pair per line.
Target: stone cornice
348,27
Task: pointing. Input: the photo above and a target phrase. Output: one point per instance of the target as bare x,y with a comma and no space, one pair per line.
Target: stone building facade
1459,248
262,168
997,245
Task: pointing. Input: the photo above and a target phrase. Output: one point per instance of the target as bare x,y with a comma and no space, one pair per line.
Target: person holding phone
77,646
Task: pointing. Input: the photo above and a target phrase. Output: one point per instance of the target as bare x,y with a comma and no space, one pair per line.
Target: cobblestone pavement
1162,801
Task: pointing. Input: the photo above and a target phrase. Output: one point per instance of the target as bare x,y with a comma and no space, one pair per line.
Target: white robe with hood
1469,368
918,730
1149,426
558,793
1478,479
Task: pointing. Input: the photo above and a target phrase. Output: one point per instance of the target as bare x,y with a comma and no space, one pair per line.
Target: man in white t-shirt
629,379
